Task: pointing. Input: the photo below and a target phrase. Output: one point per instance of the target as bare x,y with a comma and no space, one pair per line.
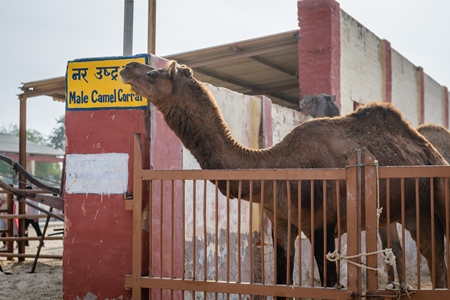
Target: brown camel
438,136
323,105
187,105
318,106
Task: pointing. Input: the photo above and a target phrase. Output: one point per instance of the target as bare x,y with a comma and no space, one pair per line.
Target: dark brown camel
439,137
323,105
187,105
318,106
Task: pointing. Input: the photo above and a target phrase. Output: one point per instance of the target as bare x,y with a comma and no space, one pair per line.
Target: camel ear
185,70
172,69
330,98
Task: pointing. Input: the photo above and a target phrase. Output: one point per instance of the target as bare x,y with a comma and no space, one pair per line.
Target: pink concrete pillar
386,61
421,89
319,47
445,99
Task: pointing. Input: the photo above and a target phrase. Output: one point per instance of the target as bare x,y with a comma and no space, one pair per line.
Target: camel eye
152,76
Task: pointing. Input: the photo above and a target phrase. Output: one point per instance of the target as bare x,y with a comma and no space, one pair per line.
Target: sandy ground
45,283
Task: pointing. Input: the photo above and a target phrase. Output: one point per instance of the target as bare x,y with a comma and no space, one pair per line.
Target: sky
39,37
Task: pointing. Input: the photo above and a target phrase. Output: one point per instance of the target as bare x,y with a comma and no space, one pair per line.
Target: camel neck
195,118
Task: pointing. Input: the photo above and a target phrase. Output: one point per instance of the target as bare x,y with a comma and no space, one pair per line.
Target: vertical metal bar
275,232
172,231
311,184
324,205
151,27
228,232
216,250
289,239
22,162
433,240
354,223
388,217
128,28
447,227
137,219
250,230
205,238
161,241
339,229
239,232
262,233
418,232
150,228
402,186
10,222
161,218
183,226
194,233
299,221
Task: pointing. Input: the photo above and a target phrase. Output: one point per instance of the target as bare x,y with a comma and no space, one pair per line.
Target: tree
57,139
32,134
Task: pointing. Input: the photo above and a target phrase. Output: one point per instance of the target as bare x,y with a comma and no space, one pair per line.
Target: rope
389,257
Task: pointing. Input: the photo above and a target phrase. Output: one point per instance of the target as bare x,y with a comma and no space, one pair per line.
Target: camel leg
319,255
396,248
282,263
425,246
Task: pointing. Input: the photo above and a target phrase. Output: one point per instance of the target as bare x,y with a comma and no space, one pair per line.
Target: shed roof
10,144
261,66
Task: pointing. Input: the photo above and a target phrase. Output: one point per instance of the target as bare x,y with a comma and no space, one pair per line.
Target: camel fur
187,106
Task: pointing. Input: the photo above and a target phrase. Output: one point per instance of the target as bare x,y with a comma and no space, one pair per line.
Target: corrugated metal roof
10,144
261,66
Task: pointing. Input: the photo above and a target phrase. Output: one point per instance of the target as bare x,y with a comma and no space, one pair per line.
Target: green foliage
32,134
57,139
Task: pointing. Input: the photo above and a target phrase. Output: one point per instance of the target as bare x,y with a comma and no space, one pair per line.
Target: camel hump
438,136
377,111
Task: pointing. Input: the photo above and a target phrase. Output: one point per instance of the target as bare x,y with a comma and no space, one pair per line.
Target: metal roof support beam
22,162
128,28
151,47
241,54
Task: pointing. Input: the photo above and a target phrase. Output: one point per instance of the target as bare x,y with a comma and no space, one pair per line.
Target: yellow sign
96,84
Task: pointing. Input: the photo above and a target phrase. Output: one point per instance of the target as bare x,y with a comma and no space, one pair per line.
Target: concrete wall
362,67
405,90
434,105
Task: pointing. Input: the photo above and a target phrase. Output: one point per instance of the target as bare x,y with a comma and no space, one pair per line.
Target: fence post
370,206
354,222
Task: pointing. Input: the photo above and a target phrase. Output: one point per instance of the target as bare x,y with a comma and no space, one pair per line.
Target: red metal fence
202,244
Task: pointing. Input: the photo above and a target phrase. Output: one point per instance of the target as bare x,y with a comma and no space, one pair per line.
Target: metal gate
208,236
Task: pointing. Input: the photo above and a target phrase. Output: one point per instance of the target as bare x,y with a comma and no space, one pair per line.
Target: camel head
319,106
154,84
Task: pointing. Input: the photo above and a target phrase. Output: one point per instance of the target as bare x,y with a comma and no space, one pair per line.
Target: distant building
9,146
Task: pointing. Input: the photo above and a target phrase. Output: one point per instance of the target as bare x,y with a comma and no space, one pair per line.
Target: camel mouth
124,78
